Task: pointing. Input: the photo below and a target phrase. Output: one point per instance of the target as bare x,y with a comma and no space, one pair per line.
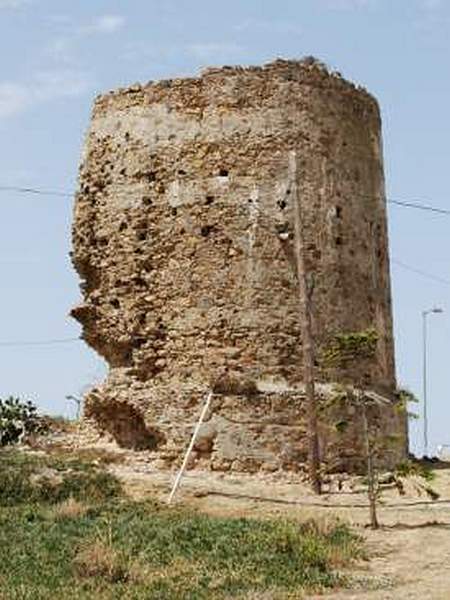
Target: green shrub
18,419
27,478
410,468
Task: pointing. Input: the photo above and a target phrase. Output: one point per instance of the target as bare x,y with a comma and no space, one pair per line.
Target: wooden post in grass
372,491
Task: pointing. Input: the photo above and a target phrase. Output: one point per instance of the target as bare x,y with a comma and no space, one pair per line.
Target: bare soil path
410,563
409,557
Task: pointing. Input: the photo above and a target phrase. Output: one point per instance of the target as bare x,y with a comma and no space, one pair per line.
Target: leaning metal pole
190,447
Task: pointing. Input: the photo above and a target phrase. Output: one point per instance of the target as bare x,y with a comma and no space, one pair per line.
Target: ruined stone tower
183,239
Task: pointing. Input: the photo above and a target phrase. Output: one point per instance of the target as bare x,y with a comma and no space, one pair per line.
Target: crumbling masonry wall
183,237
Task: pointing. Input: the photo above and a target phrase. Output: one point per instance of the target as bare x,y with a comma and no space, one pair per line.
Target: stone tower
183,239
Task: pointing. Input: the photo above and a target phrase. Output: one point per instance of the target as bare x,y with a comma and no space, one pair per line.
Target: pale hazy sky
56,55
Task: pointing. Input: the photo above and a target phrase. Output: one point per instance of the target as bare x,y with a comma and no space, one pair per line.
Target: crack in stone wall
182,236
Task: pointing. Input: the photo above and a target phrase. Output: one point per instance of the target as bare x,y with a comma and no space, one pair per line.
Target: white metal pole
191,446
425,313
424,375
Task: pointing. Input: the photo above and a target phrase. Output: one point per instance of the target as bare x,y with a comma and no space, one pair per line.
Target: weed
26,478
409,468
52,546
70,509
99,559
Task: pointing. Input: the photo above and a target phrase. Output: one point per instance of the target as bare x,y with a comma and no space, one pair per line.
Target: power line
418,205
77,339
30,190
39,342
420,272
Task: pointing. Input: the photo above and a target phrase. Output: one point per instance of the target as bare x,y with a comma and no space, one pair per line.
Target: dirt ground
408,557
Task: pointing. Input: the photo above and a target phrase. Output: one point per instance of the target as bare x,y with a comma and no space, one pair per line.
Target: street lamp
78,402
425,313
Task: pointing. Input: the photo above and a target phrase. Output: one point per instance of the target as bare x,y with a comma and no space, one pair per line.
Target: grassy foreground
66,532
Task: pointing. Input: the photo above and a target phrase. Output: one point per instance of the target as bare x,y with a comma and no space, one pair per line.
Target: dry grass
62,449
70,509
121,549
96,455
99,559
313,546
346,550
270,595
181,569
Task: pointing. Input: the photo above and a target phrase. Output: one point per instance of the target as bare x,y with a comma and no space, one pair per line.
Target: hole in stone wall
181,172
161,332
126,424
282,227
206,230
123,172
137,342
209,200
142,236
223,173
174,212
147,265
338,241
282,204
127,135
338,212
311,249
115,303
139,281
151,176
147,201
123,226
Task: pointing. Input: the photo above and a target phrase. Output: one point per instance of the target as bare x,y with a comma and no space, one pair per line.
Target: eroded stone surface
183,238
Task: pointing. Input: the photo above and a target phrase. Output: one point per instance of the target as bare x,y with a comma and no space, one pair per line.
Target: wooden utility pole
304,293
371,475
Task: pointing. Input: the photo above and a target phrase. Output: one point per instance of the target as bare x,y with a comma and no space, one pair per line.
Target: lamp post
78,402
425,313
